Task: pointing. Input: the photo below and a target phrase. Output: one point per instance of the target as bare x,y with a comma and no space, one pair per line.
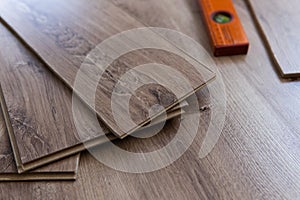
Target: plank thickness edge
10,131
268,45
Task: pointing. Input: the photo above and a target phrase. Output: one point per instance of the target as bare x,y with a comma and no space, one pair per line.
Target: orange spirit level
225,29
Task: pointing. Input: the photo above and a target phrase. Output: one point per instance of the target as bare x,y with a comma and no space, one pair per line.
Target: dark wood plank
63,170
63,37
279,25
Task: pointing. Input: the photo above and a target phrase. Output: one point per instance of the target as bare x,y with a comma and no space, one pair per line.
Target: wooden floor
257,155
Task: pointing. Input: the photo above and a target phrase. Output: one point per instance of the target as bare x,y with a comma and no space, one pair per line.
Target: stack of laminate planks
22,70
41,53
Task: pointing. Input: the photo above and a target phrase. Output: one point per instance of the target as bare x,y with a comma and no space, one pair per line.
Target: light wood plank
279,25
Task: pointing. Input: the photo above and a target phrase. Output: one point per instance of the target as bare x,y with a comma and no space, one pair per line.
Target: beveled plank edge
278,67
64,153
45,176
10,131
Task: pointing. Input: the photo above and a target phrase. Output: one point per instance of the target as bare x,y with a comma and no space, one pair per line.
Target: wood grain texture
279,25
38,104
62,37
63,170
257,156
40,109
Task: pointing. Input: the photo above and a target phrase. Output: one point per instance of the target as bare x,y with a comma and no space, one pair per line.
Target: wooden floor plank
63,170
63,37
279,25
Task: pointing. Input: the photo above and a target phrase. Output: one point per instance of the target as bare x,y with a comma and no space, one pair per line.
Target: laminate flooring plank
279,25
38,106
40,109
64,35
63,170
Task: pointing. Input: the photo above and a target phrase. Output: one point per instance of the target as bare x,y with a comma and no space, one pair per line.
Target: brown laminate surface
38,105
257,155
63,37
63,170
39,108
